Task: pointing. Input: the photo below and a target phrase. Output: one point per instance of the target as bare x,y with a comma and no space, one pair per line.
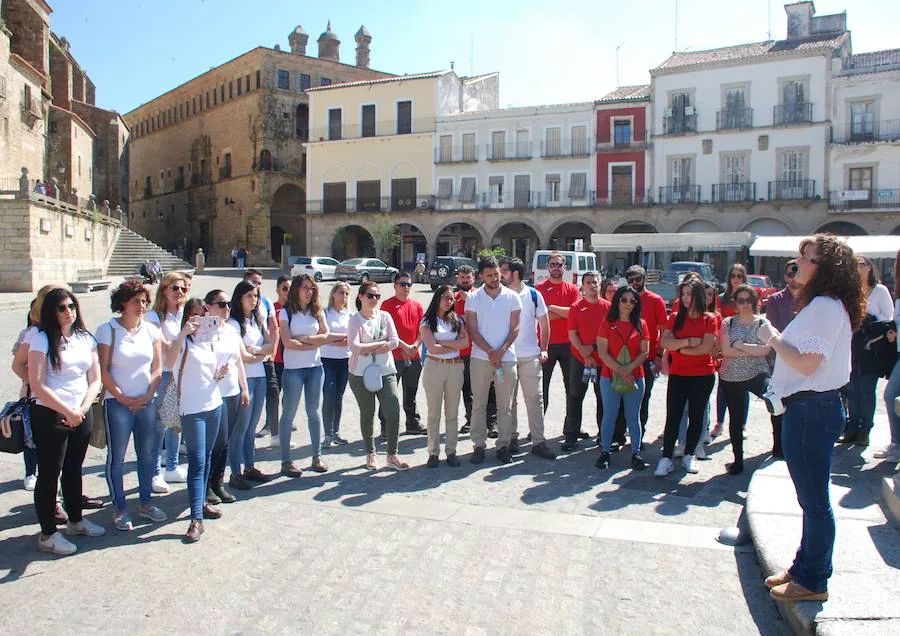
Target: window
222,93
552,142
304,82
445,149
403,194
622,185
551,188
257,79
78,158
522,190
498,144
404,118
578,185
495,189
862,120
470,152
368,120
247,85
324,81
735,186
195,105
335,197
230,90
467,190
522,145
227,169
240,85
792,166
579,141
680,172
215,95
622,132
445,189
368,196
334,123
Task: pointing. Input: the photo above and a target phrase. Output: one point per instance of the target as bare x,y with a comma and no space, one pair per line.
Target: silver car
319,267
359,270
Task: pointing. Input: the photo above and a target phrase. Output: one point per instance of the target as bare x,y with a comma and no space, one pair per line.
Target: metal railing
609,145
397,203
734,119
728,192
574,147
797,113
679,124
620,198
675,195
794,190
564,199
867,130
455,154
514,151
386,128
864,199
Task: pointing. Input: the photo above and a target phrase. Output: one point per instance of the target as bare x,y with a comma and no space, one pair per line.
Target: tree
384,232
496,252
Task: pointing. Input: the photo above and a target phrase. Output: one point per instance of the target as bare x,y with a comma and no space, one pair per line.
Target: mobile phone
207,328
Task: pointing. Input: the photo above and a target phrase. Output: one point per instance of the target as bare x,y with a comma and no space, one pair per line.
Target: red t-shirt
584,319
407,317
562,294
279,349
726,309
693,328
653,312
619,334
461,312
676,305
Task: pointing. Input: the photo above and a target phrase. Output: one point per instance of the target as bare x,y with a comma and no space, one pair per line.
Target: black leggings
694,390
59,449
735,398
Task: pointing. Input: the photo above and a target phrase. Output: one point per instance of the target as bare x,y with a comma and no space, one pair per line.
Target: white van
577,263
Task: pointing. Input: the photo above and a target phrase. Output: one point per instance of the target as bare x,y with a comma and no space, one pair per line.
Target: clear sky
135,50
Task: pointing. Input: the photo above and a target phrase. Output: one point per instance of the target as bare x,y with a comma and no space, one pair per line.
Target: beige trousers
443,384
482,372
531,380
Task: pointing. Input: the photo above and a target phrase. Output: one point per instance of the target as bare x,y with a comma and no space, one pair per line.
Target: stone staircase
132,249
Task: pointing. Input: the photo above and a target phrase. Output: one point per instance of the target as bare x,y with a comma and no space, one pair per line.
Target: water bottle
586,375
498,375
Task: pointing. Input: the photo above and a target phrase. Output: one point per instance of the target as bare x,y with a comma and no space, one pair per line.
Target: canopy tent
786,246
671,242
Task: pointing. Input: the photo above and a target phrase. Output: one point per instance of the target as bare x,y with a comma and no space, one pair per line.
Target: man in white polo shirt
492,320
530,356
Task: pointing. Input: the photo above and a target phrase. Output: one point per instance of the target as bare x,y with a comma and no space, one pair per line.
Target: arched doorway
769,227
635,227
459,239
287,220
564,236
843,228
277,235
620,261
410,249
519,240
352,241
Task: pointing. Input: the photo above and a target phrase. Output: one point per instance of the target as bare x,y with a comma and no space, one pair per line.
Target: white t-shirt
199,390
301,324
76,355
228,349
361,330
132,359
527,345
493,319
444,333
253,338
823,327
338,322
879,303
170,327
29,335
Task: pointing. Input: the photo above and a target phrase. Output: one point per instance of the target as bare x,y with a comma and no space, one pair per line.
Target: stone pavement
533,547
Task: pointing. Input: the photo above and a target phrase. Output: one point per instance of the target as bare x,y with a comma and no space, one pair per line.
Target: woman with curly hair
813,364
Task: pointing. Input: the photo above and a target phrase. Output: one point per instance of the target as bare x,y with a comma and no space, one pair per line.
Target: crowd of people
201,371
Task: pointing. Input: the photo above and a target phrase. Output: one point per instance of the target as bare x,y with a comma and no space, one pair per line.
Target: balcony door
681,179
861,181
522,192
862,121
735,177
793,175
793,99
622,185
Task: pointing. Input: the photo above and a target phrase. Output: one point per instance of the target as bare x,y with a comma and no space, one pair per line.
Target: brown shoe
211,512
779,578
194,531
254,474
792,591
239,483
289,469
318,465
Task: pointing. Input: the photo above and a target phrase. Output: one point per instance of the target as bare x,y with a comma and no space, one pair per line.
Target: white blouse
338,322
254,338
443,334
879,303
300,325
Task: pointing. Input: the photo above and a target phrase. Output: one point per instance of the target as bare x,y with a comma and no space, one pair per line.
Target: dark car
359,270
443,269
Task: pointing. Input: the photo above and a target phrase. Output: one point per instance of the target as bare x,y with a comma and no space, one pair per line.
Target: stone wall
21,137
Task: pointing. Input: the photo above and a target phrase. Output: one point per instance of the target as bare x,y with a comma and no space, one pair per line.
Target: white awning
787,246
671,242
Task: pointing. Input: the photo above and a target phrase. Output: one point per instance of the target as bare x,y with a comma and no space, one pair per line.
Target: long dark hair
711,306
730,287
698,301
188,308
362,291
237,309
293,304
837,276
431,314
49,322
635,317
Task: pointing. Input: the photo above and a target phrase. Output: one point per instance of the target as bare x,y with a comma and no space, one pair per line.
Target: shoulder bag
98,431
619,385
372,379
169,409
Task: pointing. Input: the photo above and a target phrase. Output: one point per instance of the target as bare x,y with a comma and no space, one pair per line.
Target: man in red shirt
407,314
584,318
465,282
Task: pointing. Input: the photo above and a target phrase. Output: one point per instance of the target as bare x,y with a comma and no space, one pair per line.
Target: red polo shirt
653,312
693,328
461,312
407,315
562,294
621,334
584,319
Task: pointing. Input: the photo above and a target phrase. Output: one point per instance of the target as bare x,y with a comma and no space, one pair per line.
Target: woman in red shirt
623,328
691,341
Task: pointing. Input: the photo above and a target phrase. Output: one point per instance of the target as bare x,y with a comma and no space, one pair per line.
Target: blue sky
134,50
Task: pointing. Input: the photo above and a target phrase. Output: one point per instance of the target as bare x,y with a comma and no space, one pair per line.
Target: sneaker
30,482
716,431
603,461
91,503
890,453
416,430
274,441
453,460
290,469
57,544
86,528
708,439
465,428
177,476
477,455
123,522
153,513
433,461
663,468
569,445
637,462
734,468
255,474
514,446
262,432
492,433
371,461
394,461
328,441
543,450
700,452
848,438
337,440
679,450
687,463
159,485
584,435
59,515
503,455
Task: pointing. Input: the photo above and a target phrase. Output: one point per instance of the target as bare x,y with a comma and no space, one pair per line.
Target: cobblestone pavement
533,547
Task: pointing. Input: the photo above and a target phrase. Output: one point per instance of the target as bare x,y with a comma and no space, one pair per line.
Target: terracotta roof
755,50
627,93
382,80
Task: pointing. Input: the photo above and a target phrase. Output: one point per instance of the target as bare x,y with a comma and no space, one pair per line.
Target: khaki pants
482,372
442,383
530,376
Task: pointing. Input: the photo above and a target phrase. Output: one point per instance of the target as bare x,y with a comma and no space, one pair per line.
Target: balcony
563,199
455,154
31,110
398,203
866,131
275,165
798,113
795,190
387,128
680,123
620,198
632,145
521,200
875,199
734,119
565,148
676,195
732,192
516,151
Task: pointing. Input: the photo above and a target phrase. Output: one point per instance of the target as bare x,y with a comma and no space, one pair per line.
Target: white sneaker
30,482
57,544
679,450
177,476
700,452
159,485
86,528
890,453
274,441
688,464
663,468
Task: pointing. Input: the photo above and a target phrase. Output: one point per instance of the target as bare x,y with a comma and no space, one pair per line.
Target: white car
320,267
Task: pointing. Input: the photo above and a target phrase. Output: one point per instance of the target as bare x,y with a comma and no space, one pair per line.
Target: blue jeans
891,391
30,457
611,401
230,409
242,446
200,430
337,371
811,426
721,404
294,382
167,438
860,392
120,425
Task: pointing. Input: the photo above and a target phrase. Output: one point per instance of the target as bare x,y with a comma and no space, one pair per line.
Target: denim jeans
337,371
810,428
295,382
30,457
200,431
721,404
243,443
120,425
611,401
231,407
860,392
167,438
891,391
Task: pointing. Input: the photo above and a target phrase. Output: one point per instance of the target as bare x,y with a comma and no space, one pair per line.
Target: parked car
673,274
359,270
577,263
443,270
763,285
320,267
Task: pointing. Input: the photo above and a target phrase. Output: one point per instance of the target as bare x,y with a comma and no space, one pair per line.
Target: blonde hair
159,303
34,314
338,285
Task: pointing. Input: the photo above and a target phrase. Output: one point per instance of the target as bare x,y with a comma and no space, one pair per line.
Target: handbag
619,384
372,379
98,408
169,409
12,425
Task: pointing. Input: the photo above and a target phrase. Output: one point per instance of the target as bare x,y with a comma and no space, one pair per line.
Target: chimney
363,40
799,22
298,39
329,45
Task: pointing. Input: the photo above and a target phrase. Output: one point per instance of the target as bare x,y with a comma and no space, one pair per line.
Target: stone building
219,162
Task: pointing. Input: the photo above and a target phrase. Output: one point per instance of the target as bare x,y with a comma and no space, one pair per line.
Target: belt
803,395
456,360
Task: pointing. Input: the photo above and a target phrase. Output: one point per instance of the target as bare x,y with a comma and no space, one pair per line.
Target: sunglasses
738,276
791,271
555,265
628,301
221,304
61,309
744,300
634,279
178,288
373,296
404,284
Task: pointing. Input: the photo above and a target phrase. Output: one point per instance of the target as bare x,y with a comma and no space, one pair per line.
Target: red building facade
622,143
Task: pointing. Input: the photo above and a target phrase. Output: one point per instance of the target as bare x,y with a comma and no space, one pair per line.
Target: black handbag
12,426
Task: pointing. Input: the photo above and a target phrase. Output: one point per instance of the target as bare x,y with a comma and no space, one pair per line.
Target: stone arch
519,238
843,228
569,228
699,225
482,233
635,227
459,236
532,225
414,240
566,221
286,217
767,226
404,170
352,241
